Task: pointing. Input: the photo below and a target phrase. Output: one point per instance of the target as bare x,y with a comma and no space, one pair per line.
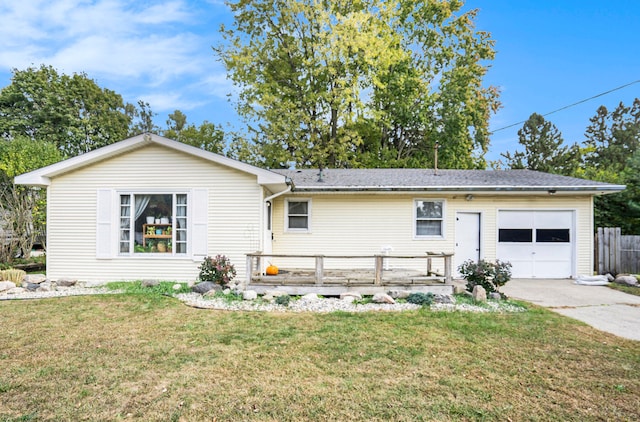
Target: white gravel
323,305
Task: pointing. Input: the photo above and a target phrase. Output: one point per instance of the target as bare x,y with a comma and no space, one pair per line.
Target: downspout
275,195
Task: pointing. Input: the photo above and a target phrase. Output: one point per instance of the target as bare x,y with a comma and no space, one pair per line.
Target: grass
626,289
149,357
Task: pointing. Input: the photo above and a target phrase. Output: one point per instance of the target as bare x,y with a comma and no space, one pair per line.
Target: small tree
490,275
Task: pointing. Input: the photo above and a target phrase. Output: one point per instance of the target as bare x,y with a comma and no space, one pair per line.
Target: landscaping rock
177,286
348,299
444,299
7,285
479,293
34,278
16,291
249,295
45,287
382,298
204,287
354,295
495,296
66,282
32,287
226,291
626,280
274,293
150,283
310,297
399,294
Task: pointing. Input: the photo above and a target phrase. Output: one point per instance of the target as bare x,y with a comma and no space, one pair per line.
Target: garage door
537,243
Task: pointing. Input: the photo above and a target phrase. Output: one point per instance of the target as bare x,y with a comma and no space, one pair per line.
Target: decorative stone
445,299
7,285
348,299
310,297
16,291
34,278
382,298
66,282
627,280
399,294
44,287
177,286
479,293
204,287
275,293
249,295
32,287
226,291
354,295
495,296
150,283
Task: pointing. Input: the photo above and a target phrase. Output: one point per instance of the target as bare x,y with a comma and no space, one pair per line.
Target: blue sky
549,54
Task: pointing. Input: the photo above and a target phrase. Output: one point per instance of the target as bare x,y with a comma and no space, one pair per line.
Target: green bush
422,299
220,270
283,300
490,275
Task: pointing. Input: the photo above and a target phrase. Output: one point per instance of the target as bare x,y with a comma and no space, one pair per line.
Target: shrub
283,300
13,275
419,298
219,270
490,275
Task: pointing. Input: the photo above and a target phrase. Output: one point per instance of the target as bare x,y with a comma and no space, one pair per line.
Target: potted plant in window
151,244
162,246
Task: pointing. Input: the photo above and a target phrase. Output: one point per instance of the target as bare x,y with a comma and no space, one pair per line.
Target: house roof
494,181
42,177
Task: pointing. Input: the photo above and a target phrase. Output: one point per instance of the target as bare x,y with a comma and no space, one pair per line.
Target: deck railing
255,264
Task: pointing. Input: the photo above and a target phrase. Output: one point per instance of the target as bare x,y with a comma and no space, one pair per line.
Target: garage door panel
547,253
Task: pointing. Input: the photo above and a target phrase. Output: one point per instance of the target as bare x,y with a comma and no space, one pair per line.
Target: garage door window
553,235
515,235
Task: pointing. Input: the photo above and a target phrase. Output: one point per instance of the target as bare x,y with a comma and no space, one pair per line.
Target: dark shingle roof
442,180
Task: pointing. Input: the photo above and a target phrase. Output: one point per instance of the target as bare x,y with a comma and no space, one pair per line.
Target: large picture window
429,218
153,223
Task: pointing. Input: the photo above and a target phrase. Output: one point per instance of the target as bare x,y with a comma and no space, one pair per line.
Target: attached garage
538,243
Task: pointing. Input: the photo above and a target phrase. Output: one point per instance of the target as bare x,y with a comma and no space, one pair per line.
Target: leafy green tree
207,136
72,112
544,149
612,155
141,118
361,83
22,208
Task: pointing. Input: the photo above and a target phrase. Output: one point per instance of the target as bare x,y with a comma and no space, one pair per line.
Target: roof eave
586,190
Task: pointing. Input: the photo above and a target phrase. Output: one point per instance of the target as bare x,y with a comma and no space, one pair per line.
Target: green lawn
143,357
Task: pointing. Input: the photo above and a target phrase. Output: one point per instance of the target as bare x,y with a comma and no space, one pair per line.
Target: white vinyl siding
352,224
229,221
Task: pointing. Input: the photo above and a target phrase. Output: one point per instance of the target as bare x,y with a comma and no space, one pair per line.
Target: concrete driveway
599,306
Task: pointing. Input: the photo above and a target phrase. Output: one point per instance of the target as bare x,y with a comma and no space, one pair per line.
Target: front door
467,237
268,233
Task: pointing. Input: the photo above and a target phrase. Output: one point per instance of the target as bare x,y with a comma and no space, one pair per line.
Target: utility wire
570,105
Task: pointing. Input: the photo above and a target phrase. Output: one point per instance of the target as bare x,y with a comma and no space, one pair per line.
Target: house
150,207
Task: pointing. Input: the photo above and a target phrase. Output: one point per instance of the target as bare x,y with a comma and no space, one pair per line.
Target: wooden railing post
379,264
447,268
319,269
249,269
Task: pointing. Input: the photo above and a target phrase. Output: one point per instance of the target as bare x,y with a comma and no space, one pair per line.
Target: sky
550,54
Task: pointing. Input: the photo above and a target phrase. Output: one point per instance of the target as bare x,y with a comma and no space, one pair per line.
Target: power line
571,105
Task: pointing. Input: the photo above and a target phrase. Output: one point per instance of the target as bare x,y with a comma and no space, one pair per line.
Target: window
552,235
515,235
297,214
429,218
153,223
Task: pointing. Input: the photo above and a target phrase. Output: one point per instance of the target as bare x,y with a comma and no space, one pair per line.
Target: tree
207,136
72,112
141,119
22,208
612,146
544,149
335,84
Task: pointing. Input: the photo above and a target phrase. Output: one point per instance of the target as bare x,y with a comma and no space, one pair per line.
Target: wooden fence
615,253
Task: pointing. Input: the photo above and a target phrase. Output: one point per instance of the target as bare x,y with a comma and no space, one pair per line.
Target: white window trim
152,255
286,215
442,220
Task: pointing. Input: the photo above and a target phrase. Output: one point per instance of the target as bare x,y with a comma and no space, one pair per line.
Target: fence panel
616,253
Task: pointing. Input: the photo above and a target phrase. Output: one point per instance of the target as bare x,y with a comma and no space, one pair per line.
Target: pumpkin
272,270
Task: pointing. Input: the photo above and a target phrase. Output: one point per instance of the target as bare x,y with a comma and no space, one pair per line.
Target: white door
467,237
538,244
267,241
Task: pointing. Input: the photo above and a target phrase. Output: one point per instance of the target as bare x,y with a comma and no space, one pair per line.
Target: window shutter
104,231
199,207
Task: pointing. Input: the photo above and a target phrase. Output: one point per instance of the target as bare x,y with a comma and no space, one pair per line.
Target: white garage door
537,243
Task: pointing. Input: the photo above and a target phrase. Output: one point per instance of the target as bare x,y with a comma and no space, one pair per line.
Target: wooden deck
367,281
